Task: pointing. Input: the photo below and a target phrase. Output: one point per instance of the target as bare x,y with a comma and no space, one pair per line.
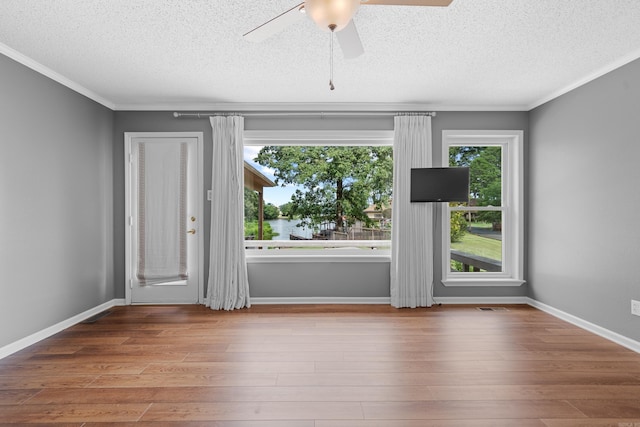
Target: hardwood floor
322,366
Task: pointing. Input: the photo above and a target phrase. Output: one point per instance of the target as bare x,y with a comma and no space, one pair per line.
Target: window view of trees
251,216
337,187
476,234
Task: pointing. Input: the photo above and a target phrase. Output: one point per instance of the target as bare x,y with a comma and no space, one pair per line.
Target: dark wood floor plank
253,411
230,394
78,368
229,367
73,413
184,380
252,423
592,422
622,355
41,424
433,423
457,378
607,408
256,356
472,410
53,381
421,356
16,397
534,392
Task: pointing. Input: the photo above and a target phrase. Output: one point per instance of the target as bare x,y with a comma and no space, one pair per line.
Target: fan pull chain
332,27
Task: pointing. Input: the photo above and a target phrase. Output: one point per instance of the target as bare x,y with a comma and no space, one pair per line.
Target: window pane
485,170
476,241
319,193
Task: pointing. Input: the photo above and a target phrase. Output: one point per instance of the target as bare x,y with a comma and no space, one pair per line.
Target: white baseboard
58,327
321,300
588,326
480,300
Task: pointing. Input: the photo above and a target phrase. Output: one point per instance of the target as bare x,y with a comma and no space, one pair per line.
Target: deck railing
322,244
475,263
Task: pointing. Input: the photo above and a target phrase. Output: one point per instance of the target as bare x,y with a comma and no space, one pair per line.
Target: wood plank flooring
322,366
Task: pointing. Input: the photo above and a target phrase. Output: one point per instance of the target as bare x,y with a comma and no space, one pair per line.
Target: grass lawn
478,245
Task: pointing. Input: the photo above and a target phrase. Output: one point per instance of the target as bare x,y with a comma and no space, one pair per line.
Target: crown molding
48,72
240,107
588,78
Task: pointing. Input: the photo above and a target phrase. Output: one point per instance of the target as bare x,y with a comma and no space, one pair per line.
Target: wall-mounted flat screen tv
440,184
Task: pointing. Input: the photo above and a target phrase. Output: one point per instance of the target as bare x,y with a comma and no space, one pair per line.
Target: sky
275,195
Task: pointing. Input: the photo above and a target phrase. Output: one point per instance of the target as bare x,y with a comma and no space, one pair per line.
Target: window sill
476,282
257,256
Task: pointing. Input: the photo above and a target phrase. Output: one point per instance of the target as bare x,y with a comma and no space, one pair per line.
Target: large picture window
318,191
482,239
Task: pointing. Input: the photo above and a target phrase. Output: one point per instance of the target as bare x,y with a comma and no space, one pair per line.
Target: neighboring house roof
372,211
254,179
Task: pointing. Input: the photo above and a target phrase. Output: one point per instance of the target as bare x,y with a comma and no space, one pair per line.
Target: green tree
458,226
251,230
250,205
270,211
339,182
485,170
287,210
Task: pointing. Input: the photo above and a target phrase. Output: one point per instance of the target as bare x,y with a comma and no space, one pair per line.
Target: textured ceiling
475,54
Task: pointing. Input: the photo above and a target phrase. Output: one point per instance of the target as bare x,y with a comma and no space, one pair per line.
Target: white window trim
329,250
512,205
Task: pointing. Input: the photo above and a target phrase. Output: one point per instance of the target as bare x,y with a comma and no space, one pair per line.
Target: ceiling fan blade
350,42
443,3
276,24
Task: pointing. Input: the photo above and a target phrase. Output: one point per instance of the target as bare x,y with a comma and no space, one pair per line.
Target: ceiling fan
334,16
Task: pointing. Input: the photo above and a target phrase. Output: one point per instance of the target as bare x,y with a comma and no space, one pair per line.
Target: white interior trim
620,62
59,78
314,106
128,137
317,256
58,327
586,325
480,300
511,142
320,300
497,281
319,137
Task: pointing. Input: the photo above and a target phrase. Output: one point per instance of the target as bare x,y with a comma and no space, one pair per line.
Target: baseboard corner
36,337
610,335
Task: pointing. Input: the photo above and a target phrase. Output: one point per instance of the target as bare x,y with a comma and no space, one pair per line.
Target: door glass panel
162,212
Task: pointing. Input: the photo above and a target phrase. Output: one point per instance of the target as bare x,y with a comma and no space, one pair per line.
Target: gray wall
343,279
584,239
55,202
324,279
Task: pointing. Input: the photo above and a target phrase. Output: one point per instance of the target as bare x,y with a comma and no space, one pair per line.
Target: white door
163,217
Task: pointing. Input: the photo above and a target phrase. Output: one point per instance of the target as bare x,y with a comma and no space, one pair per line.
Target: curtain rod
307,114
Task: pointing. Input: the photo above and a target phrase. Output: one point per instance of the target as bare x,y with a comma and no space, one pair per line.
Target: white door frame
128,157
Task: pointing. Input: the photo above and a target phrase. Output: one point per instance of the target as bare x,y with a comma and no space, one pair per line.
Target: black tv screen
440,184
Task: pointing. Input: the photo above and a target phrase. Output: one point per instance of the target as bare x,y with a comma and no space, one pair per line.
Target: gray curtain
228,286
412,232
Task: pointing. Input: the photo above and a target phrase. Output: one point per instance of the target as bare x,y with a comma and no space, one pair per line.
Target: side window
482,240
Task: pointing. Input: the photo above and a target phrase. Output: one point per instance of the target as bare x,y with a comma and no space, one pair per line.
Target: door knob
192,231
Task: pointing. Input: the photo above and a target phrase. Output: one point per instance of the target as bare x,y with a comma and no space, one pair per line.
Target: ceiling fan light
326,13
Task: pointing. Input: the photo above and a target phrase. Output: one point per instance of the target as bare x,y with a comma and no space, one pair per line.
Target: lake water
284,227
